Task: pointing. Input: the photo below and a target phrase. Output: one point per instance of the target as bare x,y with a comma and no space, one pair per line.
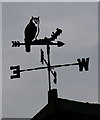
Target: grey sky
98,51
0,59
24,97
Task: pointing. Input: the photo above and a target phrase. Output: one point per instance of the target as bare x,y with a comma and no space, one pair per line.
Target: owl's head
36,19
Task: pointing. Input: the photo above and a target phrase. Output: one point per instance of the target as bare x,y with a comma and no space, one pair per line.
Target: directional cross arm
83,63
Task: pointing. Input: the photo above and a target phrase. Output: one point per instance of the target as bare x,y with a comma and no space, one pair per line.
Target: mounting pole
49,68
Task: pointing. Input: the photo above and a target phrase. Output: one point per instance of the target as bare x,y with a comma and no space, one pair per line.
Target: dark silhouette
83,63
16,71
63,109
43,41
31,39
56,108
30,32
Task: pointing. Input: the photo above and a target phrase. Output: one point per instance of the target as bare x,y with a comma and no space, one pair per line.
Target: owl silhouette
30,32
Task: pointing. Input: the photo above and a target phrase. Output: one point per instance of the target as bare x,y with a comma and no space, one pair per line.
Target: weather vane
31,33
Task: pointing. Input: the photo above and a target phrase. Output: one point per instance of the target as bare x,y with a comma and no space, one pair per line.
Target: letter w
84,63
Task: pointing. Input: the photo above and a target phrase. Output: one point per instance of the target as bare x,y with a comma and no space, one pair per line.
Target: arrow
37,42
44,41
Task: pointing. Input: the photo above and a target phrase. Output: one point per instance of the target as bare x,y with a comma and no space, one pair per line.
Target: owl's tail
27,46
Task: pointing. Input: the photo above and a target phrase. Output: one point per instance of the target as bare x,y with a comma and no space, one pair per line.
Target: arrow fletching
15,44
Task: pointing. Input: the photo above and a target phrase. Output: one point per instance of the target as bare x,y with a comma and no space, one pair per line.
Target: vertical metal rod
48,54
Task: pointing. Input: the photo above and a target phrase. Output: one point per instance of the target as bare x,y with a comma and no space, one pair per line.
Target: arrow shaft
38,43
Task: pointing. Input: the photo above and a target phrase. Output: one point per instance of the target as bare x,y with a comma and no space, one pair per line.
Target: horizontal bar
52,67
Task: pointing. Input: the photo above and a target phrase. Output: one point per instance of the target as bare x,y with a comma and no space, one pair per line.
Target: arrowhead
60,44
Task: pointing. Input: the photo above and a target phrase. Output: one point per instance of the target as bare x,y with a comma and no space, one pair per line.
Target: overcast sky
98,52
0,59
24,97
